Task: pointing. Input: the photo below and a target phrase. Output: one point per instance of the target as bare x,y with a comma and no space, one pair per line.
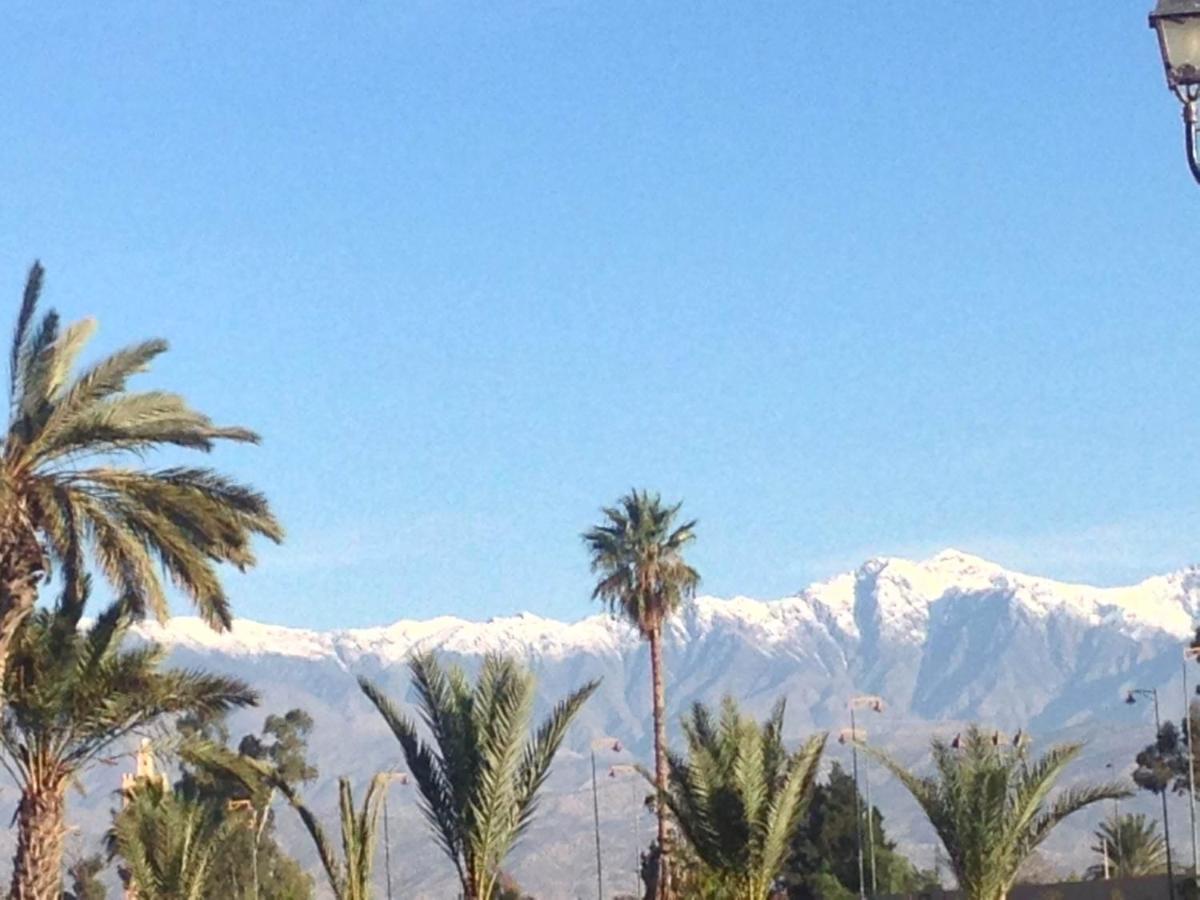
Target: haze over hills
944,640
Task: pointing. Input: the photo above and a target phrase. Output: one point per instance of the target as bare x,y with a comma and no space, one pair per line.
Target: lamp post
1191,653
618,771
1116,824
615,746
875,704
1177,24
399,778
1131,698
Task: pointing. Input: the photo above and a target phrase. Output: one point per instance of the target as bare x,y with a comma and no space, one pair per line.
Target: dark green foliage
251,865
1163,765
348,873
85,879
690,879
168,842
1133,845
71,695
738,796
824,861
283,745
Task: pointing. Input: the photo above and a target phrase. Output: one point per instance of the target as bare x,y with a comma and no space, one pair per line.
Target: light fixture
1177,24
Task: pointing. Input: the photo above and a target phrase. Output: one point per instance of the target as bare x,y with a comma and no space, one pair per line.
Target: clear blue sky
851,279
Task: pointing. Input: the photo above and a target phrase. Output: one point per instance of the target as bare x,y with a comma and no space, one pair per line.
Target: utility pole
870,827
611,745
1132,698
387,848
875,704
1191,653
596,819
862,893
1117,826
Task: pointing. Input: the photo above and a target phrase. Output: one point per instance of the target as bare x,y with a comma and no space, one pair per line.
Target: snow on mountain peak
890,596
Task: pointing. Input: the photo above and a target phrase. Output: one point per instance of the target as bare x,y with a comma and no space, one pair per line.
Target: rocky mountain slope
945,640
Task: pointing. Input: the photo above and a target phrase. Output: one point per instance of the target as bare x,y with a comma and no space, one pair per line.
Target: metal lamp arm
1190,137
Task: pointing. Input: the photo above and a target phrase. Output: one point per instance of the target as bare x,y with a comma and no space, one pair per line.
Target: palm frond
480,776
438,803
991,807
67,508
324,847
540,751
637,552
738,796
29,300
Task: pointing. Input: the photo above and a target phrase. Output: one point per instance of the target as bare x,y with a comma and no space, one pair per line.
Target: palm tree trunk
41,827
663,882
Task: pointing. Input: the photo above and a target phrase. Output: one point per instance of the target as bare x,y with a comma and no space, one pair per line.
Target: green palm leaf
738,796
480,773
67,500
168,842
991,807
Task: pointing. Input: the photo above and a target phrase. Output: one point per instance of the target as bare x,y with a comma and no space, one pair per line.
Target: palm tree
350,876
72,694
638,554
738,795
1133,845
169,842
480,778
990,805
64,493
85,879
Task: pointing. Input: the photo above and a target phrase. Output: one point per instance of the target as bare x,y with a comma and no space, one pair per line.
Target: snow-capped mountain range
893,599
953,636
944,640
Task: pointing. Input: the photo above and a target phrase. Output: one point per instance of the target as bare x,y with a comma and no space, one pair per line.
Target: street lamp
1191,653
398,778
619,771
874,704
614,746
1177,23
1116,824
1131,698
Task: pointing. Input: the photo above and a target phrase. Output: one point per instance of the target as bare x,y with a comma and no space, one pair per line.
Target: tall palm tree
1133,846
638,553
738,795
72,481
480,778
72,694
169,842
990,805
350,875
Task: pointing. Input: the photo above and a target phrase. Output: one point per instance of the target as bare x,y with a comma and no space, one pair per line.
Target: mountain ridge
905,592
